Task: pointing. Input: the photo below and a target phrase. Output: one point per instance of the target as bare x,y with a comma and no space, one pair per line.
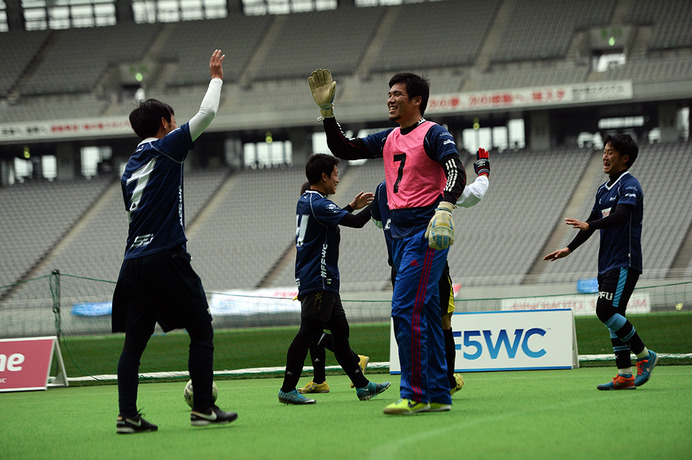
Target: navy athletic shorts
321,305
160,287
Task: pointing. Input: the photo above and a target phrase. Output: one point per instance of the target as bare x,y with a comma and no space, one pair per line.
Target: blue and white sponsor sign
516,340
253,302
92,308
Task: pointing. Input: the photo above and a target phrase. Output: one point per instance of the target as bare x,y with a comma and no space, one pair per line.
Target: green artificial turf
266,347
528,414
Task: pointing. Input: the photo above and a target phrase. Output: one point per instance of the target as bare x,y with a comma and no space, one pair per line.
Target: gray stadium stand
96,245
498,240
333,39
55,107
534,75
414,39
670,22
36,216
192,42
651,70
557,20
85,55
250,224
241,227
16,53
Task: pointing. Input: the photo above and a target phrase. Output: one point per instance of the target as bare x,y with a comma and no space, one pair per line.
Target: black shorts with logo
160,288
321,306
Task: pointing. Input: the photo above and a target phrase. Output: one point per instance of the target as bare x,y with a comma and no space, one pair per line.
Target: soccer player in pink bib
424,178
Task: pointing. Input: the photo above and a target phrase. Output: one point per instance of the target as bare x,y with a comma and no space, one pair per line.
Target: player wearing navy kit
318,280
617,213
424,177
156,281
318,356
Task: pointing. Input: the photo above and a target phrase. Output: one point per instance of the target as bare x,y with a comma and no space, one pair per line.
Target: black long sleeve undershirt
620,215
456,178
356,220
342,146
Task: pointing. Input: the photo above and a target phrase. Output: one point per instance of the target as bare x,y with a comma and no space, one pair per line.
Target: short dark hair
416,85
624,144
317,164
146,119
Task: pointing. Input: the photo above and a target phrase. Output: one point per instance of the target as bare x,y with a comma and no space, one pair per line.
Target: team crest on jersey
332,207
605,212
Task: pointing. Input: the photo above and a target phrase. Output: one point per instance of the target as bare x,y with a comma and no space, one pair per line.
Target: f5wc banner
517,340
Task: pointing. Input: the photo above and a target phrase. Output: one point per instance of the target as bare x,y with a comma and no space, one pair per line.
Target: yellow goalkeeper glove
440,232
323,89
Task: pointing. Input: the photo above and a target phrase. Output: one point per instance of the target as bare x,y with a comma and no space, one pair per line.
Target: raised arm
323,88
474,192
210,102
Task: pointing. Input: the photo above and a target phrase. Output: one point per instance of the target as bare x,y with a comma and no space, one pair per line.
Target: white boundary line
276,370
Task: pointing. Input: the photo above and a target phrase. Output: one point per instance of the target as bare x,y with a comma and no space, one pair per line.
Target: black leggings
309,333
200,365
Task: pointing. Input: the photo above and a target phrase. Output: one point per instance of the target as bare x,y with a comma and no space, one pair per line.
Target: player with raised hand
618,213
317,275
318,356
157,284
424,178
472,195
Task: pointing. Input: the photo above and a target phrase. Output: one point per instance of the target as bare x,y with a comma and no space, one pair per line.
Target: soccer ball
188,394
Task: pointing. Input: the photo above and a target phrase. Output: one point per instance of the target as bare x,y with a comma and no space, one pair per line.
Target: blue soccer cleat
620,382
293,397
371,390
644,368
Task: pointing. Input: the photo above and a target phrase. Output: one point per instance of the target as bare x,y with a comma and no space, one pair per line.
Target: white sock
643,354
627,371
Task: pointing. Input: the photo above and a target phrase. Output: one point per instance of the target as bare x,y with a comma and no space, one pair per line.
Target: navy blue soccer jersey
317,243
152,186
621,244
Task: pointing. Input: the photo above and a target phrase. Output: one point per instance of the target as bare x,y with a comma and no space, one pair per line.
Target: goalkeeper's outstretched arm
323,88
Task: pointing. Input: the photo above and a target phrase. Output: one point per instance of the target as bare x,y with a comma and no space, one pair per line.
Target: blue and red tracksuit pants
416,317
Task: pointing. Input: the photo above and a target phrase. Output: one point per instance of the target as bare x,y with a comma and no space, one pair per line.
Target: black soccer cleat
213,415
127,425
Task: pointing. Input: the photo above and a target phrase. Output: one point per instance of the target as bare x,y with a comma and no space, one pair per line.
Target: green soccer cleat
372,390
459,384
363,363
312,387
439,407
293,397
406,407
644,368
620,382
